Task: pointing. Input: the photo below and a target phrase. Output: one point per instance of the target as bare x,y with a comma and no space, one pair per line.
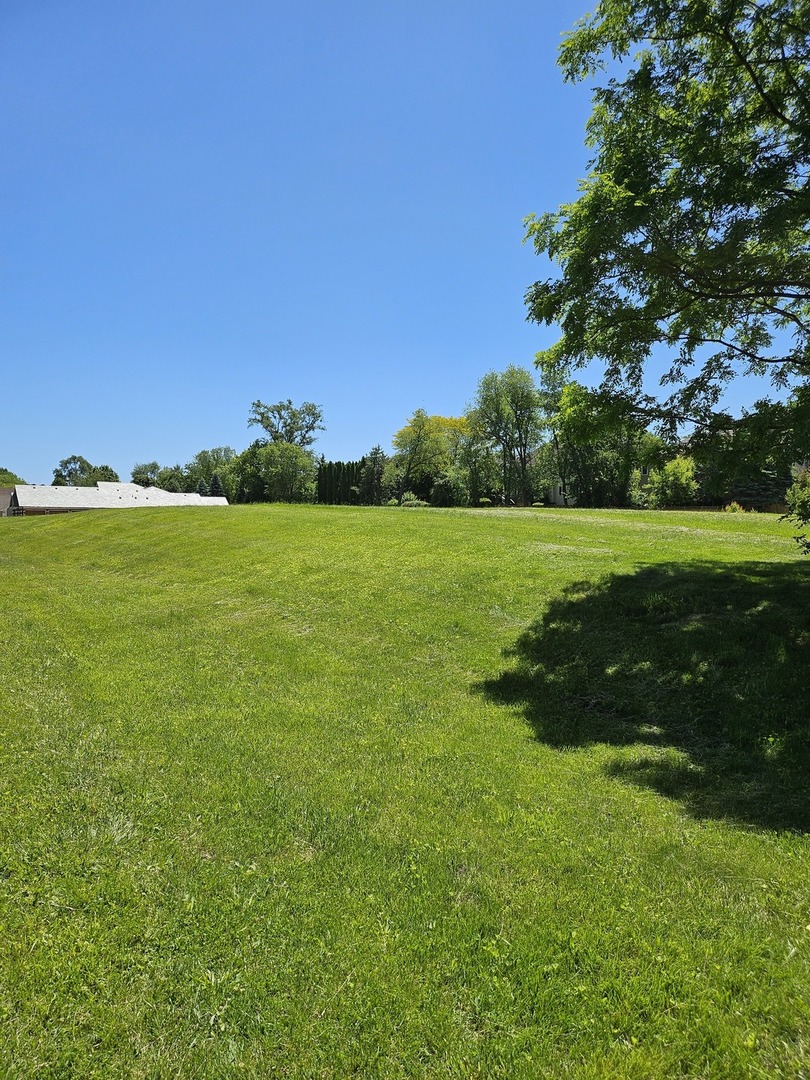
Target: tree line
517,441
689,239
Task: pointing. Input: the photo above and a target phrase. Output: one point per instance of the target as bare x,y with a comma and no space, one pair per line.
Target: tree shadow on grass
704,668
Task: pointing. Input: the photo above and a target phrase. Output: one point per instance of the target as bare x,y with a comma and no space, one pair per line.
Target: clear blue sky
208,202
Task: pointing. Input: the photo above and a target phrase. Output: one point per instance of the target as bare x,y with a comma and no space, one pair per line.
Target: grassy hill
323,792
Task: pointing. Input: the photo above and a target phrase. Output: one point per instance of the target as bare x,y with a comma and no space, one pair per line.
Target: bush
798,500
733,508
485,502
409,499
673,485
638,495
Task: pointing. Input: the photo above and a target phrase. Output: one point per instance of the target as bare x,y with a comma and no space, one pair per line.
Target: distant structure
29,499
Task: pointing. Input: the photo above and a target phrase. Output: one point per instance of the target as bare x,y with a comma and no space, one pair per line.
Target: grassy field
333,792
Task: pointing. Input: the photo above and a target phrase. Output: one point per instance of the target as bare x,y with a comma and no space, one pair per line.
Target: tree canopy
274,472
145,473
288,423
596,444
426,448
76,471
9,478
691,230
507,412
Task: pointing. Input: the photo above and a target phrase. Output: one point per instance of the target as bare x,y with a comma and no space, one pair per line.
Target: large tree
288,423
507,411
690,235
425,449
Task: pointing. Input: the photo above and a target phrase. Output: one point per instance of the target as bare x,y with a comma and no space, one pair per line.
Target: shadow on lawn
705,667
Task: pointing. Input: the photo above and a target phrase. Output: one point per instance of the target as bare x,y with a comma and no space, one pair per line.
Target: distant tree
72,472
171,478
216,489
202,488
325,484
507,411
418,455
188,477
338,482
246,476
288,423
289,472
9,479
596,443
76,471
451,487
415,458
392,485
371,477
482,472
425,449
106,473
145,473
750,460
274,472
205,463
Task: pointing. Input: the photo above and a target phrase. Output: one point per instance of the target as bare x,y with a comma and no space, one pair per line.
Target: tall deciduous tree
426,448
507,411
691,231
478,462
288,423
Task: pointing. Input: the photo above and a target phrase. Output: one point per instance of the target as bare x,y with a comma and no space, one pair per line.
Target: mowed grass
333,792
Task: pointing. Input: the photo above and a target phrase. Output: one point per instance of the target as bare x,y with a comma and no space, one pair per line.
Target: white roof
107,495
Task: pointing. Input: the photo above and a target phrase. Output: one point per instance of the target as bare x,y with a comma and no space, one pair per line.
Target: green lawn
332,792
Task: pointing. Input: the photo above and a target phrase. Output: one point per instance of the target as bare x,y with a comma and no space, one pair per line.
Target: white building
29,499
